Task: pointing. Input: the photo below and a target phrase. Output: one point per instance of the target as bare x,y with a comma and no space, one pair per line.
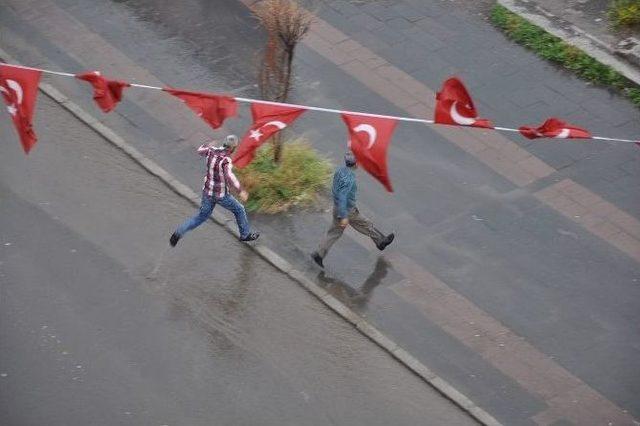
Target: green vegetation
624,13
555,50
297,181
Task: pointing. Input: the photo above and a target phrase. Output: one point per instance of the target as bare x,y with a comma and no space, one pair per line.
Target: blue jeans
206,208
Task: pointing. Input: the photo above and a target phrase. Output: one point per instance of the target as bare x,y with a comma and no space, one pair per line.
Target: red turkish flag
555,128
106,93
369,139
213,109
19,88
454,106
267,121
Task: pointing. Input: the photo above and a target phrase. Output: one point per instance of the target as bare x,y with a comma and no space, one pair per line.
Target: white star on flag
12,109
255,134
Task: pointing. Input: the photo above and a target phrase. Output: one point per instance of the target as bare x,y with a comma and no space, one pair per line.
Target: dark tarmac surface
102,324
566,292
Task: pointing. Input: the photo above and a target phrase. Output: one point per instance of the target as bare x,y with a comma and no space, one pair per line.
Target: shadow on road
355,297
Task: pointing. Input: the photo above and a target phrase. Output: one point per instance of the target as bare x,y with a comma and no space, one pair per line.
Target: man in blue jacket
346,213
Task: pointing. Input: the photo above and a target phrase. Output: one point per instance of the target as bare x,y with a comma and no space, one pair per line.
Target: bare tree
286,23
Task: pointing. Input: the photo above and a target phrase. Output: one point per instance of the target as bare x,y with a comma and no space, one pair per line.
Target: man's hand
244,195
344,222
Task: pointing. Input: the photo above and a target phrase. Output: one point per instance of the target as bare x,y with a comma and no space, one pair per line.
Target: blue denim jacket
344,191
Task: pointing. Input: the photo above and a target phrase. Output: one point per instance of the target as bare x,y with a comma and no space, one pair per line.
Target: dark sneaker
250,237
388,240
174,239
317,258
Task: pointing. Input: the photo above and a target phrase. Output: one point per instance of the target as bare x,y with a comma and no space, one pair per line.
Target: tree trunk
285,86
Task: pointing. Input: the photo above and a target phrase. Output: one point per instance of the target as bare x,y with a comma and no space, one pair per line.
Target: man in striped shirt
216,191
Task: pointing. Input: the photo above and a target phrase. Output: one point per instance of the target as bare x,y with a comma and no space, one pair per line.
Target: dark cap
349,159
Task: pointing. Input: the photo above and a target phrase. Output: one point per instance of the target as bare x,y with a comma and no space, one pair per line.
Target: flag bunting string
320,109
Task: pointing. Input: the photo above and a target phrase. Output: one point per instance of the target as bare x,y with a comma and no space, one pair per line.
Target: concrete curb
573,35
276,260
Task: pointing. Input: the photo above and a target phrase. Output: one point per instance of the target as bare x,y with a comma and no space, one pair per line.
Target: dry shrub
297,182
286,23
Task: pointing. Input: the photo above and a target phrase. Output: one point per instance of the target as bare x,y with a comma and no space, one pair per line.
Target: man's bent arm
227,168
204,149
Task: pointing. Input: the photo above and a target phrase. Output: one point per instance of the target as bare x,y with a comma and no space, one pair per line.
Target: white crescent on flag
460,119
370,130
279,124
564,133
17,89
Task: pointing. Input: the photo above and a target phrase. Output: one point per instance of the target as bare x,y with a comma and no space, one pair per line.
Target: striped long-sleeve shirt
219,172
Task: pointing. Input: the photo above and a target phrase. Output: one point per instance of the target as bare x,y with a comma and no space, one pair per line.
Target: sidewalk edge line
591,45
277,261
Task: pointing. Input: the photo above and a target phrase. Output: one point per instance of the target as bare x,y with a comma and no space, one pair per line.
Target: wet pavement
102,325
486,247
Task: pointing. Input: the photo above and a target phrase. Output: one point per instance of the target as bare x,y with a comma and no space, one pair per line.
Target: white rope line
144,86
600,138
314,108
66,74
335,111
506,129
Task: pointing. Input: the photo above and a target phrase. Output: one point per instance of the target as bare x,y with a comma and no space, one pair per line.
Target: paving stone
632,167
328,32
345,8
368,58
380,11
525,97
432,26
337,19
326,49
365,21
423,38
387,35
399,23
467,54
558,154
408,12
429,9
398,55
348,45
613,111
433,71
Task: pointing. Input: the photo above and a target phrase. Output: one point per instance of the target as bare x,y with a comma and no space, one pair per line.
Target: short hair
231,141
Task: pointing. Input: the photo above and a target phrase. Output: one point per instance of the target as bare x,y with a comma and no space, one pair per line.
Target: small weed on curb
624,13
555,50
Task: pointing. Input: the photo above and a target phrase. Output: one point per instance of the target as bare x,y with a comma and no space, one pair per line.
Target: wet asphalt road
102,324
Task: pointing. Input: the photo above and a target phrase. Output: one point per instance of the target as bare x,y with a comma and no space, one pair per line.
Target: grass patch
555,50
302,175
624,13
